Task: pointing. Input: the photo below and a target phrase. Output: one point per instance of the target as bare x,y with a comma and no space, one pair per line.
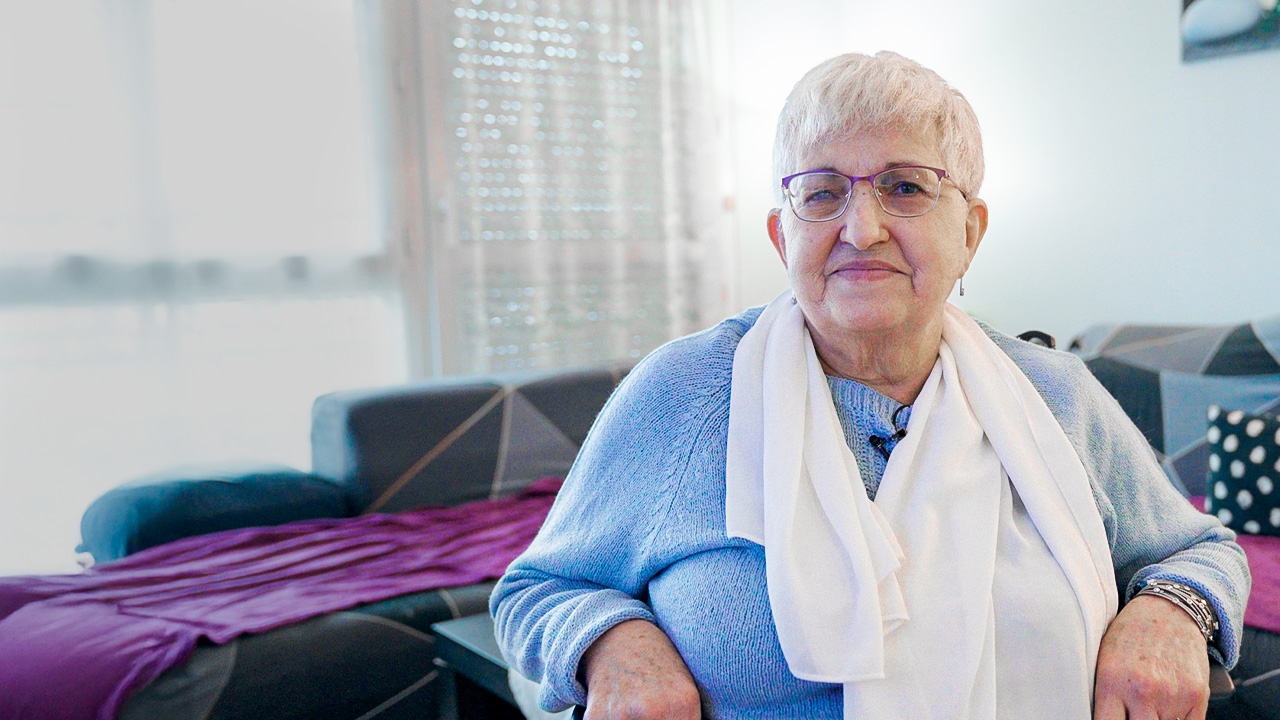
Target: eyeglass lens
904,192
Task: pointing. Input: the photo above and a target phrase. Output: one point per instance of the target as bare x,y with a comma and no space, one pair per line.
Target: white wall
1124,185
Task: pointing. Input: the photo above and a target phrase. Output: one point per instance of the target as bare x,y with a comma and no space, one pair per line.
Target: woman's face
868,271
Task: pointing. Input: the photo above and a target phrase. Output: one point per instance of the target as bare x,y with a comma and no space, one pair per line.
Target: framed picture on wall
1212,28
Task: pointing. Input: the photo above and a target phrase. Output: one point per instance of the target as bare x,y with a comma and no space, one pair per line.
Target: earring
961,286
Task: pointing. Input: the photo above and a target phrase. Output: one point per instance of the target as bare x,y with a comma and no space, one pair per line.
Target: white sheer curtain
186,252
554,175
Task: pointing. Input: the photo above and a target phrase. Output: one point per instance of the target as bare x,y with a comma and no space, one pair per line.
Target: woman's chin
860,319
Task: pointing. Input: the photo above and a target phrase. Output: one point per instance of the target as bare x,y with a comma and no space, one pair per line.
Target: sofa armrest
180,503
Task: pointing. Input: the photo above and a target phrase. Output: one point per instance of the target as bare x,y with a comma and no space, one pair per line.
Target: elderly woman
857,502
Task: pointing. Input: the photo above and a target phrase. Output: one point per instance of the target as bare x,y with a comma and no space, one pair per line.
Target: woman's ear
975,225
775,234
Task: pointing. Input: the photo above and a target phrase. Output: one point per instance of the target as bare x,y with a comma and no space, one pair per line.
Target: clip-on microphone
884,446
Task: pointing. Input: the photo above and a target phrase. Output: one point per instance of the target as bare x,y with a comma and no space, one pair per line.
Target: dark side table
475,684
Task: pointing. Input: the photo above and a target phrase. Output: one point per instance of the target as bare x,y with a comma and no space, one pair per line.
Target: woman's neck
894,363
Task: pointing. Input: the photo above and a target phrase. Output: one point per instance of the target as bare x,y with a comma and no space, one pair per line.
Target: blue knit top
638,530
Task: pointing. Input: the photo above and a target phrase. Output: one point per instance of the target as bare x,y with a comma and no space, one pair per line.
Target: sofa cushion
1257,676
1165,377
183,502
1244,471
423,609
456,440
375,658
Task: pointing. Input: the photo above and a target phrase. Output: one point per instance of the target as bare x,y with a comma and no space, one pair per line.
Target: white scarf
894,598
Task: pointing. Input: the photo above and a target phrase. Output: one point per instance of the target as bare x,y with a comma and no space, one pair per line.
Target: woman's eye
904,187
819,196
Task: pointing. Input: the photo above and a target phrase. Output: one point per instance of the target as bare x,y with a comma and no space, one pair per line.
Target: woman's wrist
633,670
1189,600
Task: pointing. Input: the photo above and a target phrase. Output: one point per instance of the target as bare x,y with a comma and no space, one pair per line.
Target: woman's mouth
866,270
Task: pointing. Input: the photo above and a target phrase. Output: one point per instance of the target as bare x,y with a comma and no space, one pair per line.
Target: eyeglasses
903,191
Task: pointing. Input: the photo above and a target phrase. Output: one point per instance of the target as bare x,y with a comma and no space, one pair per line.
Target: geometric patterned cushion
1244,471
1166,377
451,441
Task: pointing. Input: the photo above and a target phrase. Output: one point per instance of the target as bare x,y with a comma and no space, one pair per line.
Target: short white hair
853,93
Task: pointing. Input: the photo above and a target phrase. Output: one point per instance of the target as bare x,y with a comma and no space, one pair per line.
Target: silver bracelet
1187,598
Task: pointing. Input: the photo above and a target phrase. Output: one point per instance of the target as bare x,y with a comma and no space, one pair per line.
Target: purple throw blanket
75,646
1263,610
1263,554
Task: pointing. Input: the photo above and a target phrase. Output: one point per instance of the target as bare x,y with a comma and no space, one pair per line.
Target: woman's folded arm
1159,535
1154,532
589,568
546,623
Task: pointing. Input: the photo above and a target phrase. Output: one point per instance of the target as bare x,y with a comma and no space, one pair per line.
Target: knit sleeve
589,567
1154,532
1157,533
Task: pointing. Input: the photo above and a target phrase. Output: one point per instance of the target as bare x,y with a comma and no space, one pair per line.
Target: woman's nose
863,219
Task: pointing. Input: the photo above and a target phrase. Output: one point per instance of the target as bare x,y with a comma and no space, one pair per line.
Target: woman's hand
633,672
1153,665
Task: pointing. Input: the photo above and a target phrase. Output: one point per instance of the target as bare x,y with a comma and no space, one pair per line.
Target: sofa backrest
1166,377
445,442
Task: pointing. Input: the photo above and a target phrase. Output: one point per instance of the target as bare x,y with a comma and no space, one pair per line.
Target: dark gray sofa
391,449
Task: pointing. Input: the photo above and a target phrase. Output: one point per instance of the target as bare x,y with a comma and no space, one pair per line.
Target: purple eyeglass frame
853,180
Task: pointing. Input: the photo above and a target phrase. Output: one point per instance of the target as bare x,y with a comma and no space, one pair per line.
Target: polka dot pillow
1244,471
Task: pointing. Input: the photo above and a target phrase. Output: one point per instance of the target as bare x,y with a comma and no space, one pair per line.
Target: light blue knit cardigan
638,530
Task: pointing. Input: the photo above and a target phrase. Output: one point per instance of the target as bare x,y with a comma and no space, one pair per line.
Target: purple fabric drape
1263,610
75,646
1263,554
